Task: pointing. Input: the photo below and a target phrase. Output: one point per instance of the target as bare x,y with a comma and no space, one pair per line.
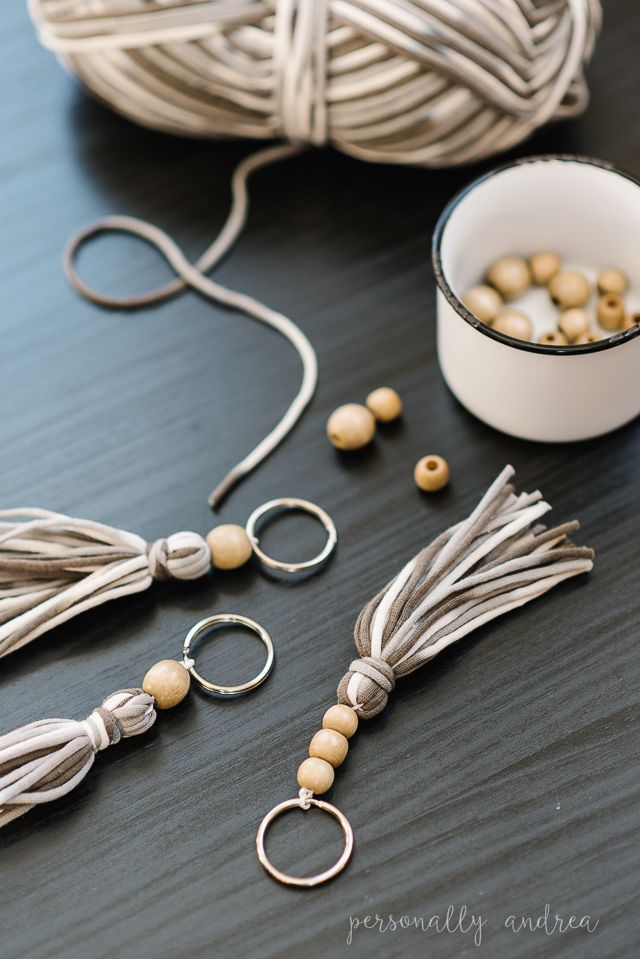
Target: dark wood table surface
505,776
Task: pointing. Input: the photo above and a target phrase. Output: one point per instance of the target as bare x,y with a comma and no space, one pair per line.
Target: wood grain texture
506,775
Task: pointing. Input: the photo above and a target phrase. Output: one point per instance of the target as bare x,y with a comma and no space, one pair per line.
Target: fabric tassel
499,558
46,760
53,567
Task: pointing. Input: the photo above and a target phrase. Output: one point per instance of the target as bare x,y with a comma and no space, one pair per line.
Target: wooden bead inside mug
510,275
612,281
543,266
514,323
342,718
588,337
483,301
553,338
633,319
330,745
168,682
431,473
385,404
315,774
574,323
351,426
568,288
230,546
611,311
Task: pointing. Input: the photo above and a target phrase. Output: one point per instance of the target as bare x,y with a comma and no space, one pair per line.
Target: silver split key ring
227,619
292,503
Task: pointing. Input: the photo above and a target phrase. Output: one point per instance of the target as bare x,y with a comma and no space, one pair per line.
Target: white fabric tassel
499,558
53,567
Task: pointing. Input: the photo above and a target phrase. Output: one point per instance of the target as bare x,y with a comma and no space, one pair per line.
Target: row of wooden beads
328,749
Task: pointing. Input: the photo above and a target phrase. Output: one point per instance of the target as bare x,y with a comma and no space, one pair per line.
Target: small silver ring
227,619
289,502
305,882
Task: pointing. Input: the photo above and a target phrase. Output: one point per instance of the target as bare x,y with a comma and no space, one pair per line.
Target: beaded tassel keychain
499,558
45,760
53,567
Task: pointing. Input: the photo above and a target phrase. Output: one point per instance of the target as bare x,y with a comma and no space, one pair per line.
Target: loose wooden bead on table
612,281
431,473
329,745
342,718
351,426
568,289
510,275
483,301
544,266
315,774
385,404
589,337
230,546
574,322
168,682
611,311
553,338
514,323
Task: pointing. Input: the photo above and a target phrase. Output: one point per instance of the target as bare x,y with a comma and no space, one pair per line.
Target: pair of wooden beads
353,425
328,749
431,473
487,304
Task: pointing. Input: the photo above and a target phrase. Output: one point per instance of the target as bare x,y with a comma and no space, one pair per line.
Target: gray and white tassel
46,760
499,558
53,567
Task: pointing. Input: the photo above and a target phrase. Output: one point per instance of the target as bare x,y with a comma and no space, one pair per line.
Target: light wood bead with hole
342,718
544,266
633,319
385,404
588,337
330,745
553,338
574,322
611,311
612,280
168,682
431,473
315,774
513,323
568,288
351,426
229,545
483,301
510,275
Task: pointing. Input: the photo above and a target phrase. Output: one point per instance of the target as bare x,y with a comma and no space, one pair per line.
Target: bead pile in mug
542,299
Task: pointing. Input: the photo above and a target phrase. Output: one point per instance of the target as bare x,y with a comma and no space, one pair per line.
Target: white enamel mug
588,213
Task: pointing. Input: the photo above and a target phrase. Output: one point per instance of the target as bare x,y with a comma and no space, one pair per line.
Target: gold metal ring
306,507
305,882
227,619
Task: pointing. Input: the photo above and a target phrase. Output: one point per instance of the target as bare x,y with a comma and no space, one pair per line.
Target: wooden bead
330,745
544,265
483,301
633,319
574,323
431,473
342,718
553,338
316,774
568,289
351,426
514,323
510,275
168,682
385,404
611,311
230,546
588,337
612,281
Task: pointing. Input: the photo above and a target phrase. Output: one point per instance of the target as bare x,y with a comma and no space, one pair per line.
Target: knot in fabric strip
102,729
158,556
367,685
375,669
